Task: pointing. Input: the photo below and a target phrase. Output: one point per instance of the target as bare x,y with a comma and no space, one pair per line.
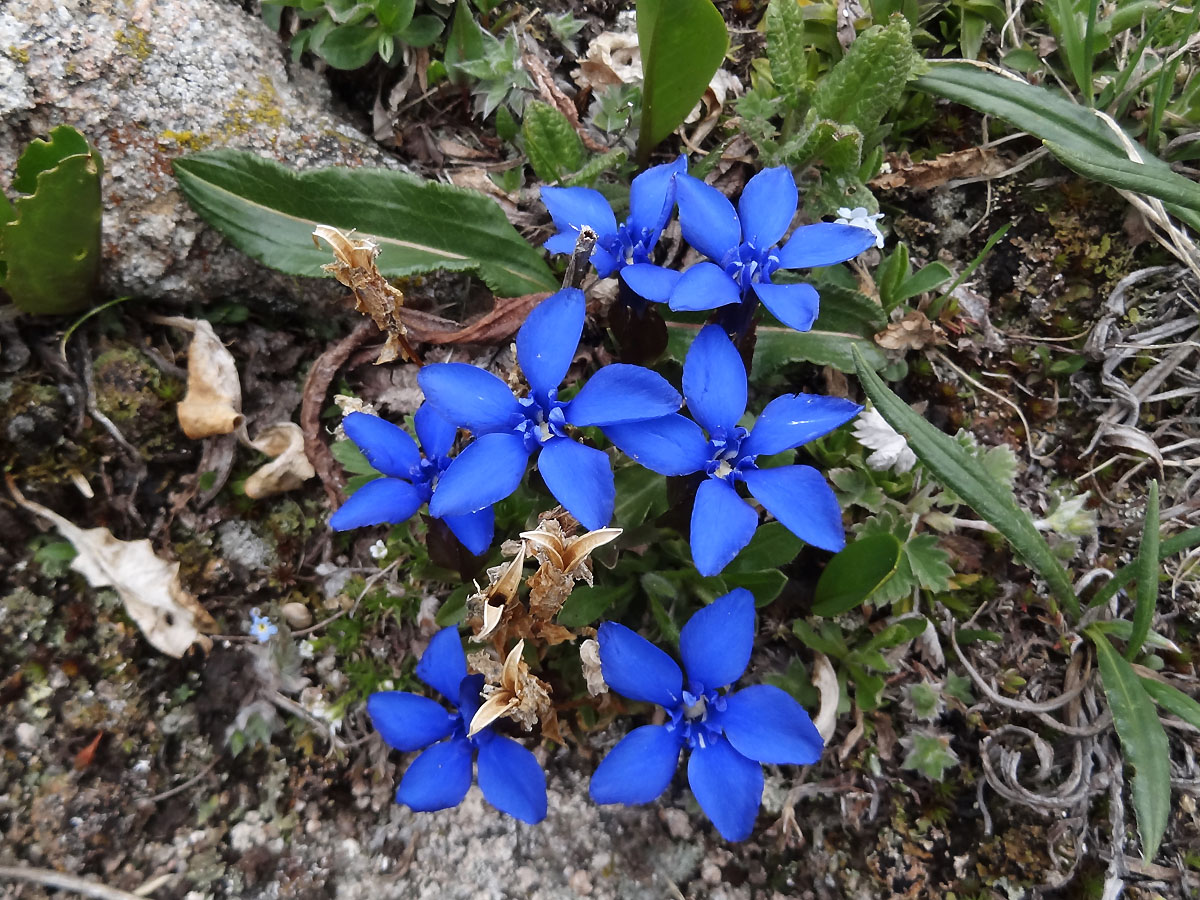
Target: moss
138,398
134,42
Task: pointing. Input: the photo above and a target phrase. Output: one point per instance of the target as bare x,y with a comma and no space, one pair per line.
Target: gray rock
147,81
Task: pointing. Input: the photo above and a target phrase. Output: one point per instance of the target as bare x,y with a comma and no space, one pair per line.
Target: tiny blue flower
261,627
410,478
510,429
651,200
714,385
727,735
742,248
509,775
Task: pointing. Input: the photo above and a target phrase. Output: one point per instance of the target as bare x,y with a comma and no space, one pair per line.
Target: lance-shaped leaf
956,469
269,212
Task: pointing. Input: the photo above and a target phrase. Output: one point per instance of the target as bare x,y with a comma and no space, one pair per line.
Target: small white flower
378,550
307,649
860,218
891,449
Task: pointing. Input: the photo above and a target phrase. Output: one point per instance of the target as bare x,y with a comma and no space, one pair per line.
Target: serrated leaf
269,211
785,50
954,467
551,143
869,80
1073,133
682,44
930,564
352,459
854,575
597,166
929,754
1143,743
50,244
856,488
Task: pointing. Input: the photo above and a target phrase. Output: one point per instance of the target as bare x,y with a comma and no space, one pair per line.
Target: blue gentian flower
742,248
714,385
651,200
509,775
727,735
410,479
510,429
261,627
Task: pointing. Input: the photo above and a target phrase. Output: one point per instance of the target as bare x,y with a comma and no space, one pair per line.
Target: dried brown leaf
913,332
923,176
213,403
289,468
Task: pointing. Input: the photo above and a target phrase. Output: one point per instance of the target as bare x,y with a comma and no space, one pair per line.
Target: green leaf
828,641
50,242
352,459
268,212
1179,543
930,754
930,564
1147,577
855,573
349,46
901,632
954,467
640,494
394,15
422,31
772,547
1143,743
1173,700
454,610
869,80
464,44
1073,133
924,279
597,166
682,44
765,585
779,346
785,50
587,604
551,143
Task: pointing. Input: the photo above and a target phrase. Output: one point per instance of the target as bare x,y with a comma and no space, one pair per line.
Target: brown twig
65,882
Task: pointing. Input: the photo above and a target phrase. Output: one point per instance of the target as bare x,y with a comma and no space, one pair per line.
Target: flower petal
487,471
470,697
714,380
546,342
704,286
707,218
469,396
722,524
563,242
604,261
800,499
767,206
766,724
635,668
823,244
793,420
620,393
573,207
716,641
384,500
474,530
386,446
409,721
435,432
639,768
511,779
652,197
439,778
727,786
651,282
581,479
795,305
443,665
672,445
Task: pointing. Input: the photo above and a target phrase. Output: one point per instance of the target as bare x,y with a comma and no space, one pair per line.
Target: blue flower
651,200
410,479
714,384
261,627
742,248
510,429
509,775
726,734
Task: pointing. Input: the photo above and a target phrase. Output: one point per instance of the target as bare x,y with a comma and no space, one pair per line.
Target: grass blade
1146,572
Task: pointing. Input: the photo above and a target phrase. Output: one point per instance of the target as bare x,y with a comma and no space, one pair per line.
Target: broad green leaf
349,46
394,15
454,609
785,49
1143,743
954,467
1147,577
50,244
765,585
772,547
930,564
779,346
1173,700
901,632
269,211
855,573
1074,133
835,145
352,459
587,604
869,80
551,143
682,44
640,494
464,44
422,31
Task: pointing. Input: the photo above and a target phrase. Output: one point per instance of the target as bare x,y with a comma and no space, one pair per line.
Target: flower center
747,265
692,717
632,245
726,461
542,420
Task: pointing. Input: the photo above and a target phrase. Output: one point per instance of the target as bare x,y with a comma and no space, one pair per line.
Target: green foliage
929,754
269,212
1146,568
50,232
347,34
553,148
682,44
859,658
897,281
786,44
922,565
497,70
853,576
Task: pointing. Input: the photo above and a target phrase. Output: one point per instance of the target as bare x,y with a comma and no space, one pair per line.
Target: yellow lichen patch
251,109
135,42
189,140
20,54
